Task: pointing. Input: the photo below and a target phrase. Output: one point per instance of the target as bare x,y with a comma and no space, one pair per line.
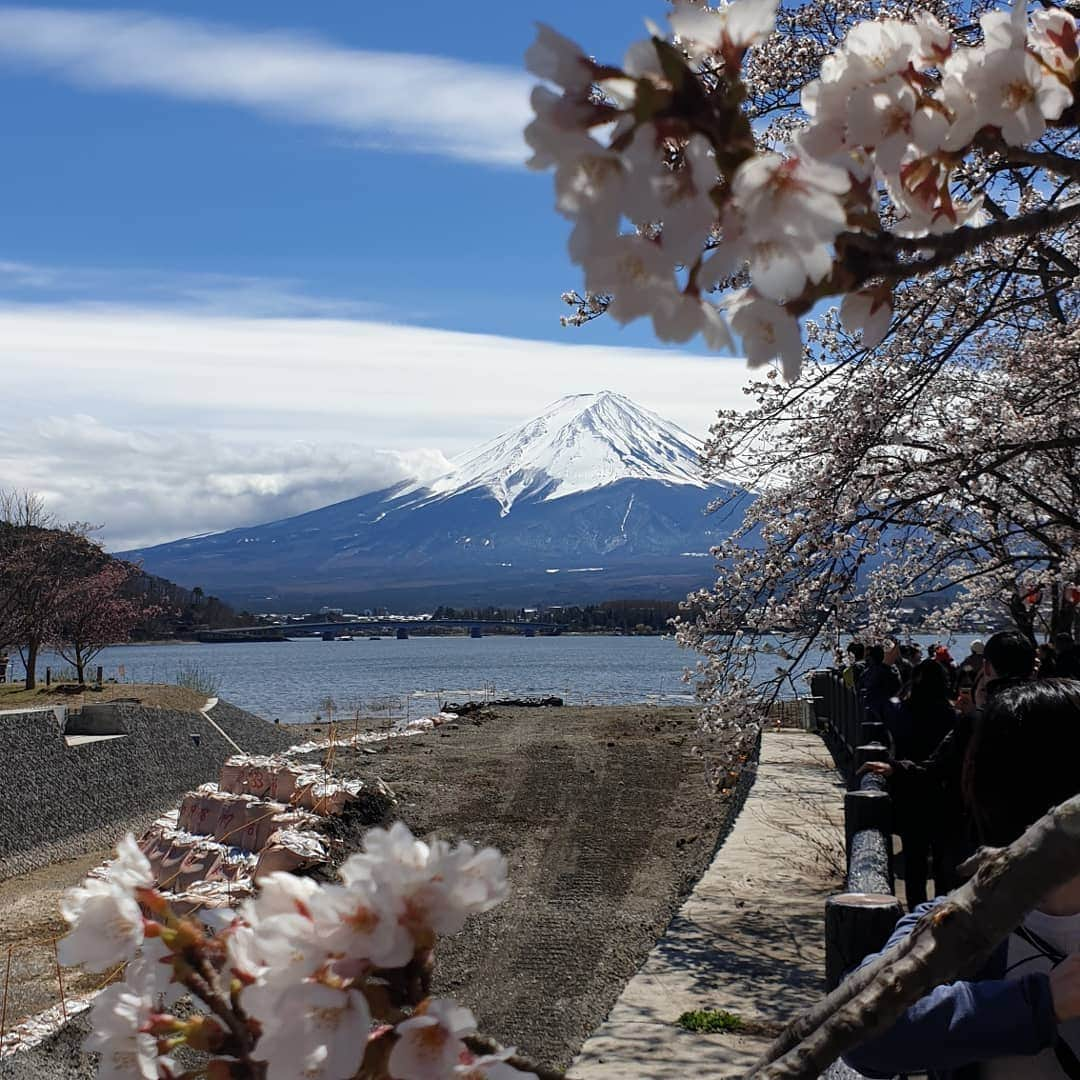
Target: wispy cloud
402,102
201,292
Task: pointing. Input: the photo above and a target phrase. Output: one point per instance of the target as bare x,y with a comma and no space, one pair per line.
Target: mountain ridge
594,498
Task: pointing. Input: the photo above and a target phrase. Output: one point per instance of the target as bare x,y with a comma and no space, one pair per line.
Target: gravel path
606,821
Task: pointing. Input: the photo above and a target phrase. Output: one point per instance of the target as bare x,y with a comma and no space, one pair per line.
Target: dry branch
955,937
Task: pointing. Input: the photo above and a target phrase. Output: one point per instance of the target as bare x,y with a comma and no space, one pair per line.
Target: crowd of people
979,751
928,704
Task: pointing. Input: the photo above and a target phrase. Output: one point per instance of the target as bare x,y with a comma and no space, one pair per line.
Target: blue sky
210,174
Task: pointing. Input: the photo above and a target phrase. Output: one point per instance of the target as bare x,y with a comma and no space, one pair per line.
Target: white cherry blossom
438,885
429,1045
878,49
558,131
896,111
737,25
131,868
119,1013
781,268
319,1033
559,60
490,1067
1015,93
935,40
106,925
887,117
868,314
275,954
1005,29
714,328
361,921
280,894
767,331
791,197
791,214
1053,36
633,270
679,197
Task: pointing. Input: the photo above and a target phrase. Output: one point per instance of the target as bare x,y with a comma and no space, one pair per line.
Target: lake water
289,680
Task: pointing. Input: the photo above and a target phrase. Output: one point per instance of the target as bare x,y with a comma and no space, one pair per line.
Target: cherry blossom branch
880,250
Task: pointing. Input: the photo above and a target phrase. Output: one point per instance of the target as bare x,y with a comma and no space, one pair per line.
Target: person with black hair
894,658
1046,655
1019,1017
918,721
853,672
880,682
936,781
1067,657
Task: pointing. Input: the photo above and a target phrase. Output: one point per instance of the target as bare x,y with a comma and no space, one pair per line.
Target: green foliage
710,1021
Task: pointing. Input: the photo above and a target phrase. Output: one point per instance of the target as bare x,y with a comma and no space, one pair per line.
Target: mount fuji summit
594,499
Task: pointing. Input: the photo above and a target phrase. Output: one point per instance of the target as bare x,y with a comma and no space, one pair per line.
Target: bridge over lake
376,626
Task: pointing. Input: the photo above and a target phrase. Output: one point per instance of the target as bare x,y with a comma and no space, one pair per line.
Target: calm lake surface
289,680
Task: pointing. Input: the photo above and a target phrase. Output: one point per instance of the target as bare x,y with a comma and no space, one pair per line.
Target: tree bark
954,938
32,647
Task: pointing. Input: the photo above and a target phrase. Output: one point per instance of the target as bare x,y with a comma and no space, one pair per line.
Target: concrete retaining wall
59,800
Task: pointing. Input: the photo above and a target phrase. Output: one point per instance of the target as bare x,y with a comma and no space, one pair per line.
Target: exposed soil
605,819
30,924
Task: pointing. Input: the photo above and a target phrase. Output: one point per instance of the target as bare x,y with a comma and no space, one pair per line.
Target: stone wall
60,800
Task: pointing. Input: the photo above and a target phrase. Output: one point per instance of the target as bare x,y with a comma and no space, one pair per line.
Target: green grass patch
711,1021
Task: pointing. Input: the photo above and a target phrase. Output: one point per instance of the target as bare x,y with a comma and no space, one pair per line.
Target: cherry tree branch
956,936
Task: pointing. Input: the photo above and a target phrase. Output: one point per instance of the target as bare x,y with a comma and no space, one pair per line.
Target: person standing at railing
853,672
1019,1017
937,780
880,682
918,721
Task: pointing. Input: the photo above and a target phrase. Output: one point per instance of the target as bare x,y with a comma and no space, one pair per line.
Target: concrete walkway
750,937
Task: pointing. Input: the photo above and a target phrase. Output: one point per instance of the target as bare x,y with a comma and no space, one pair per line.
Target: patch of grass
13,696
711,1022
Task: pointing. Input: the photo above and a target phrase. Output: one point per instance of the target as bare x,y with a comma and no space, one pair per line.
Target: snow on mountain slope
582,442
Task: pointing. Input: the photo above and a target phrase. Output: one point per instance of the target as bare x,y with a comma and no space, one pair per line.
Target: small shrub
710,1021
198,679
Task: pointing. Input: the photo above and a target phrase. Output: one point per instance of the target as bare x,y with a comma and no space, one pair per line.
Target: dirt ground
605,819
30,923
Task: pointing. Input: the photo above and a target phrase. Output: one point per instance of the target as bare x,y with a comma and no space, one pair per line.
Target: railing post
856,925
871,731
870,752
866,809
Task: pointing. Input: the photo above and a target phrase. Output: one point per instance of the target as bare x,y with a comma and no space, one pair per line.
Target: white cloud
408,103
204,292
159,424
144,485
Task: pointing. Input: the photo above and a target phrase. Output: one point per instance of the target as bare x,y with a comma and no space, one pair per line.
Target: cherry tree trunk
32,647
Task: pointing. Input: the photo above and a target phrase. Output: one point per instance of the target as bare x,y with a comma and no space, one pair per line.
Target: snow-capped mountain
581,442
595,498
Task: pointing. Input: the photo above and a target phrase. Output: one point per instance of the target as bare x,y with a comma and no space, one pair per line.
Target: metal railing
859,920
